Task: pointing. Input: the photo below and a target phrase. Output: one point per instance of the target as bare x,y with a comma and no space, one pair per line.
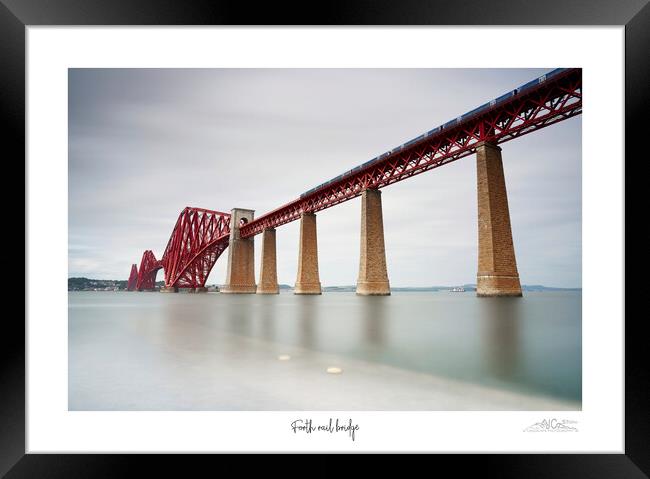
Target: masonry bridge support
240,275
269,270
497,273
497,267
373,275
308,280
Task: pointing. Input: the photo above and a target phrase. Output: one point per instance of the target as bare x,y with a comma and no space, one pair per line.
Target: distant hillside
539,287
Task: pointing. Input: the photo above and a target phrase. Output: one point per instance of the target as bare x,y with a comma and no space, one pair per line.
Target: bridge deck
538,106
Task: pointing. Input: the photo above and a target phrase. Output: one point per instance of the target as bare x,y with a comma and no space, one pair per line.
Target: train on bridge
445,126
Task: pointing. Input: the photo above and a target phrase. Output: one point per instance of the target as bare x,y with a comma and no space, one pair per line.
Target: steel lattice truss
133,278
546,104
149,267
198,239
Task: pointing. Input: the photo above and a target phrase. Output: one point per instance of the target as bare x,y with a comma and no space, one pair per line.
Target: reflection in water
374,319
531,344
239,317
307,319
173,324
171,327
268,317
501,317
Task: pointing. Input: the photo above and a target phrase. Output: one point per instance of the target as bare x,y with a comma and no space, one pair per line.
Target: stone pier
240,275
497,268
169,289
308,281
268,271
373,275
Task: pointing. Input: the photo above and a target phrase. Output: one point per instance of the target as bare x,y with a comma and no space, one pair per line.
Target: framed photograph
380,229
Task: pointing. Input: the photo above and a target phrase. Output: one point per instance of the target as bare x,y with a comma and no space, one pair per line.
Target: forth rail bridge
200,235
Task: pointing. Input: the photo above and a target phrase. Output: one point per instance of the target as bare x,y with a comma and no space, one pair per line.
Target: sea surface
130,350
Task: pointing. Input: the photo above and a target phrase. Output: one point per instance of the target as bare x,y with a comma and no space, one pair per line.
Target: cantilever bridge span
198,239
201,236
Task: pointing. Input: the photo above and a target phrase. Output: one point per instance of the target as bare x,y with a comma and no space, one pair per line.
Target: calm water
530,344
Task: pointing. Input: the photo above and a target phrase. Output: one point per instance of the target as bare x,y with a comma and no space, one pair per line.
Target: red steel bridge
200,236
198,239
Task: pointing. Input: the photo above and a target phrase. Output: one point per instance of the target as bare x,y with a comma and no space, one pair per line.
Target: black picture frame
15,15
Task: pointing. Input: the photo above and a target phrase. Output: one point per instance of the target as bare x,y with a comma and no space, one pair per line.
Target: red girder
547,103
198,239
149,267
133,278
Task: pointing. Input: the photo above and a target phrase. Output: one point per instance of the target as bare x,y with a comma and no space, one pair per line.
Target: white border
51,50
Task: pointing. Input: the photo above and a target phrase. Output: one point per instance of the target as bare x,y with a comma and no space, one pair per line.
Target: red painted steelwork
133,278
547,103
149,267
198,239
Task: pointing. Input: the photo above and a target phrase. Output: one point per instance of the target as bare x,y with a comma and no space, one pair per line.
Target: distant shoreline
86,284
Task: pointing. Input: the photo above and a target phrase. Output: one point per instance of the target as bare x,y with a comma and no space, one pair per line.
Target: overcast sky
145,143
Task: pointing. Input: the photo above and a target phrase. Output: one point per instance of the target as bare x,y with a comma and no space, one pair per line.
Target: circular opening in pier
243,221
